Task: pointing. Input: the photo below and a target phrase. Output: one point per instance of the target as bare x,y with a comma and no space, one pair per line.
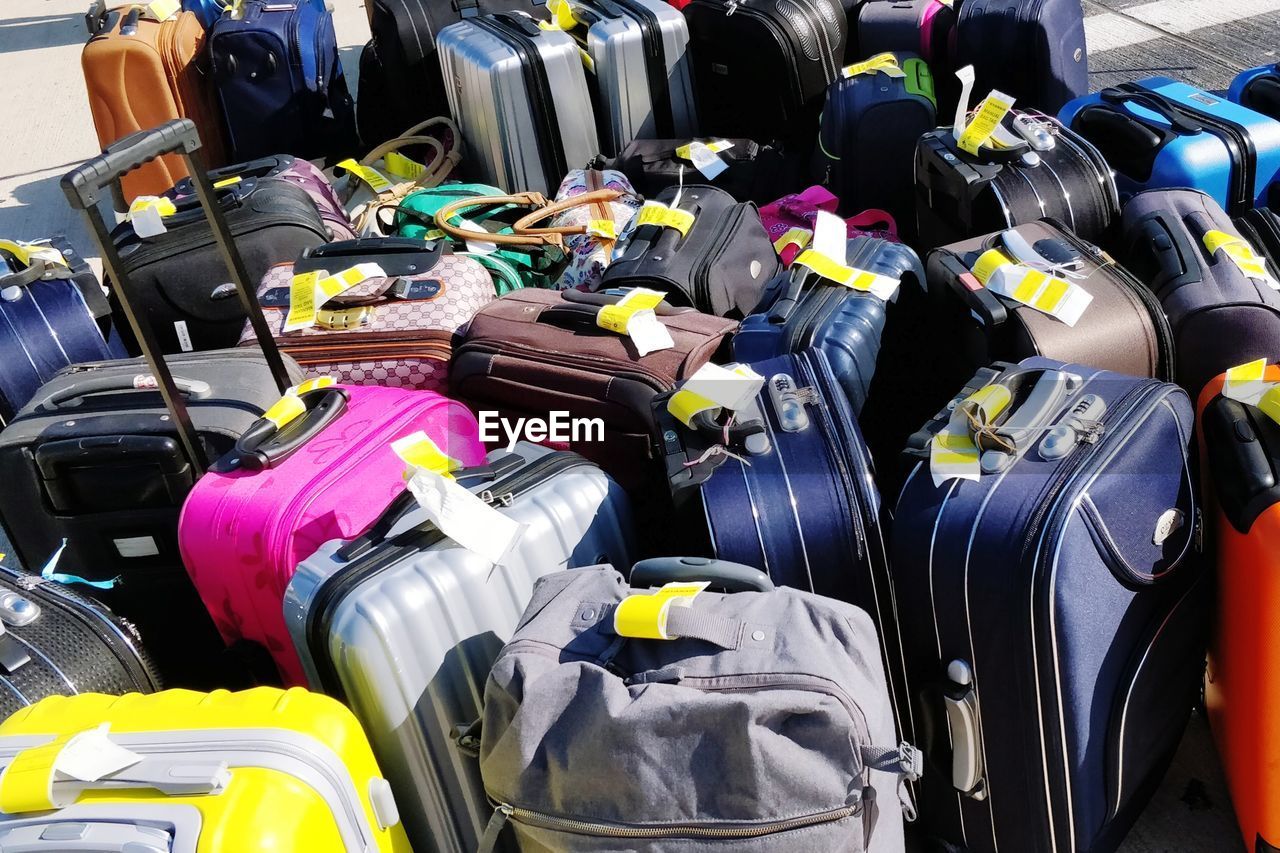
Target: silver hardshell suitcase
519,95
637,48
404,625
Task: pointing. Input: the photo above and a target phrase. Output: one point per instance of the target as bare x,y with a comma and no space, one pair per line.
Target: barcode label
184,337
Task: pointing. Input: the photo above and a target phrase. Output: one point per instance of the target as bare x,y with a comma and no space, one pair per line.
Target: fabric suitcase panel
1220,317
56,642
286,769
519,95
406,343
254,518
754,172
1034,50
1241,445
1085,617
412,638
179,276
642,72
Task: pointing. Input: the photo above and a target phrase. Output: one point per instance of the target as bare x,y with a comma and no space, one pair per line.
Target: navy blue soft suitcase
280,83
1053,610
1160,133
1033,50
805,509
49,319
1258,89
801,310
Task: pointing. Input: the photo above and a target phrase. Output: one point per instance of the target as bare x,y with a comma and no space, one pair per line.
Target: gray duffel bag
761,722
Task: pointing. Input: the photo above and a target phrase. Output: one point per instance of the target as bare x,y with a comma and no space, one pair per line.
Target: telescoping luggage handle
86,185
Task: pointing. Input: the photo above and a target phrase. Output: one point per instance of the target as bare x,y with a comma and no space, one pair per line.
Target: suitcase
870,124
50,312
801,310
97,462
533,352
404,624
1220,316
1241,445
1054,608
54,641
280,82
760,66
777,675
1160,133
1123,329
139,73
284,167
180,282
395,330
400,79
923,27
790,221
719,266
754,172
640,72
1257,89
519,95
1260,228
799,501
1032,50
960,196
259,769
284,491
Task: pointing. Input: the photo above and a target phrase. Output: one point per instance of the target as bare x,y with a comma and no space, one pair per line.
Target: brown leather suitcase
141,73
534,352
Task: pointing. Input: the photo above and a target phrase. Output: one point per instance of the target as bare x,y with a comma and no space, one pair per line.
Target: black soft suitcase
754,172
923,27
760,66
720,266
400,80
959,195
96,460
1033,50
54,641
178,277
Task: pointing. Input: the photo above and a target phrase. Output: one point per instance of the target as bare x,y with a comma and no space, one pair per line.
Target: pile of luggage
756,426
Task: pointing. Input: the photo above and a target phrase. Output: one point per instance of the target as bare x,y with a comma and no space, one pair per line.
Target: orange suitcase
1241,454
141,73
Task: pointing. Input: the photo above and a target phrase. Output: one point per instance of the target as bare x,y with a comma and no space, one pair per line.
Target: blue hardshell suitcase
49,317
1258,89
1160,133
801,310
803,507
280,83
1053,611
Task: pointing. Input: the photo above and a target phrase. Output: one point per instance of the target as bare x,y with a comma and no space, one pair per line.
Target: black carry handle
398,256
1263,95
603,298
1157,103
88,387
964,284
780,311
264,445
723,575
87,184
1175,255
497,467
1127,130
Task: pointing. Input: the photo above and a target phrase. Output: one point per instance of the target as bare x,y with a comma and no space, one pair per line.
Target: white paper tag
966,78
725,386
647,333
184,335
91,755
1061,299
479,247
136,546
705,160
1245,383
830,236
465,518
147,222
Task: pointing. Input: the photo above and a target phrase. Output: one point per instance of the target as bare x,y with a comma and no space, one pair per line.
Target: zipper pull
493,830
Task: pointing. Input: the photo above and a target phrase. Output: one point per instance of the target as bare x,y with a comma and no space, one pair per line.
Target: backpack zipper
684,830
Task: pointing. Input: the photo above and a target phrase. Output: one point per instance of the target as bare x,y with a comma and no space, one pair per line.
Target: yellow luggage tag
685,152
146,215
657,213
798,237
1063,300
400,166
851,277
706,157
713,388
992,111
885,63
633,315
310,290
163,10
24,253
286,409
375,180
644,616
604,229
1242,255
311,385
953,455
562,17
1245,384
457,513
226,182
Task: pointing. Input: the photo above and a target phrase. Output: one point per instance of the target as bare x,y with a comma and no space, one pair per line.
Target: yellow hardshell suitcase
186,772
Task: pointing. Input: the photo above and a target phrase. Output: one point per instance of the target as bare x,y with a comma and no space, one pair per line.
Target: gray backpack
761,724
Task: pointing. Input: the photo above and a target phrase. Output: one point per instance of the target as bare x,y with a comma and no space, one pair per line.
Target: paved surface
48,129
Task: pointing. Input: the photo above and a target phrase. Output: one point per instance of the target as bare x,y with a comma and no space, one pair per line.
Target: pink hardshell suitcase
282,493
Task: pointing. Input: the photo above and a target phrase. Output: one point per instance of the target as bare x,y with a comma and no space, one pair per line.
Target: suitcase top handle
721,574
269,440
88,184
1157,103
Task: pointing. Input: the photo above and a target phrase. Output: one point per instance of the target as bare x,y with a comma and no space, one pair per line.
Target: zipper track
557,359
706,259
333,589
685,830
